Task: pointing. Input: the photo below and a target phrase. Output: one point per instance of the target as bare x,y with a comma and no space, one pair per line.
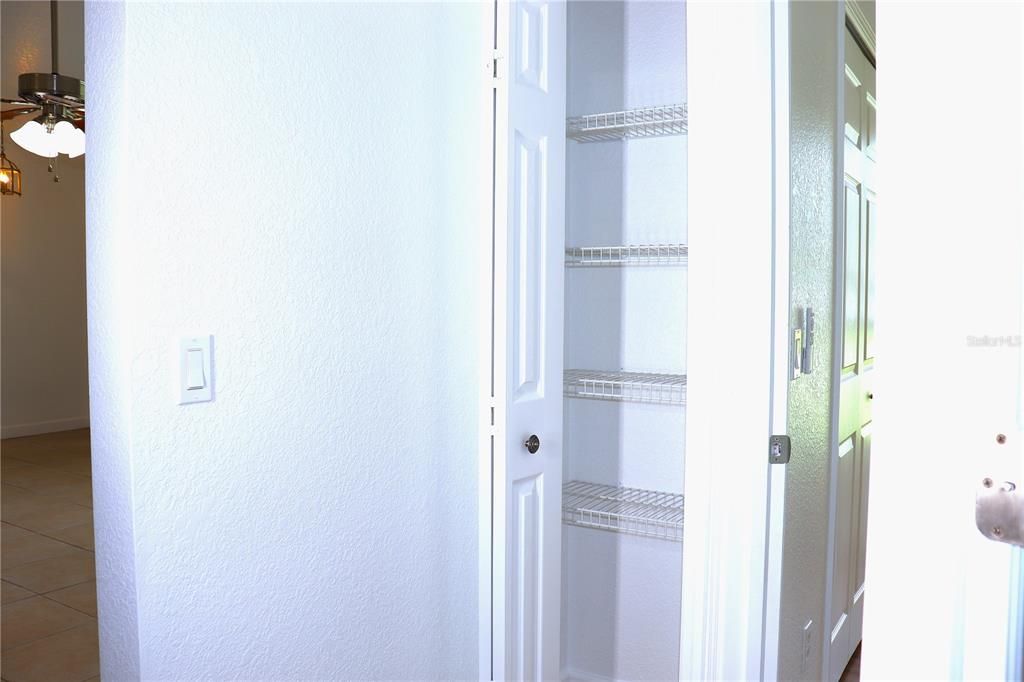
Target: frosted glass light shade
77,146
65,139
70,140
32,137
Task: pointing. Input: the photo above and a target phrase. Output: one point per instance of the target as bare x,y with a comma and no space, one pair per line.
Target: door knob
999,512
871,396
532,444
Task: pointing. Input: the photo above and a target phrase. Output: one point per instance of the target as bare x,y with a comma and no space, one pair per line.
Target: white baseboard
36,428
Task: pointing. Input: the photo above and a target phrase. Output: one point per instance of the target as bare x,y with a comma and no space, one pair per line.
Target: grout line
38,639
52,470
10,651
50,537
47,496
46,596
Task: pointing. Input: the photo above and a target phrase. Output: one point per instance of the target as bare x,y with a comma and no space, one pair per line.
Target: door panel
870,216
853,110
858,297
851,289
864,469
528,238
526,577
842,564
528,278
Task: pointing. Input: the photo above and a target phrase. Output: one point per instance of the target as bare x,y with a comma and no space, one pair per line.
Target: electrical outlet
805,653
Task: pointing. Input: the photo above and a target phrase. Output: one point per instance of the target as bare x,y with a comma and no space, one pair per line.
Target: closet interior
625,340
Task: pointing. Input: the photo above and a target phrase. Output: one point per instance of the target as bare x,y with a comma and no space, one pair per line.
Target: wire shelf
641,387
619,125
653,254
623,510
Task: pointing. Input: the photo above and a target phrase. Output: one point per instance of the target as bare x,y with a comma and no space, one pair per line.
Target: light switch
194,378
194,375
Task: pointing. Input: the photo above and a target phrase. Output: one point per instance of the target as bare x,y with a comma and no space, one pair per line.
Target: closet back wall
42,247
303,181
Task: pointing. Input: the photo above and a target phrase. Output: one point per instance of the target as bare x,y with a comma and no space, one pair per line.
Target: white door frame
781,351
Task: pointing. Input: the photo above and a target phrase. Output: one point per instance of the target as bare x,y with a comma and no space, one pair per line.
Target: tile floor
48,605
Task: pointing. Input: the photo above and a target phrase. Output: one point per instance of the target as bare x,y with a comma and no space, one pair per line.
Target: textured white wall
42,259
301,182
814,79
110,261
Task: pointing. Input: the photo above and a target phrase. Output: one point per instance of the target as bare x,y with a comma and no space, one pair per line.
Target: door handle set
999,511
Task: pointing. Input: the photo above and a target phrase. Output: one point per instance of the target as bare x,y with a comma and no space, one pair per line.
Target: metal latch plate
999,512
778,449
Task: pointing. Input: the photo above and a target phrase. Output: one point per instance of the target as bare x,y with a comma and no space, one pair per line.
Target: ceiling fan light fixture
35,138
62,100
70,140
51,133
10,174
76,146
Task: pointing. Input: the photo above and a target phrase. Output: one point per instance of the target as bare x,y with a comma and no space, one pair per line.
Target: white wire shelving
623,510
651,254
640,387
632,123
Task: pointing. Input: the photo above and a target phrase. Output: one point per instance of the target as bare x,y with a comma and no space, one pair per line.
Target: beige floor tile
9,532
53,574
78,465
9,592
69,656
12,466
41,513
58,460
46,480
47,491
47,448
19,549
79,536
31,619
81,597
13,497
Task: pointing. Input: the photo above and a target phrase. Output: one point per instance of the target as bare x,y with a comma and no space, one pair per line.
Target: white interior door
853,459
945,600
529,147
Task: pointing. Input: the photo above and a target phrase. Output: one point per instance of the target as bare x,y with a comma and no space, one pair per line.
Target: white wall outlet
806,647
195,369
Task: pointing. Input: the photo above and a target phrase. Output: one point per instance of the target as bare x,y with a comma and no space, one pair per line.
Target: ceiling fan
60,100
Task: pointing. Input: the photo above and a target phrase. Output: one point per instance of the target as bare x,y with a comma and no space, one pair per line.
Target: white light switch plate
195,369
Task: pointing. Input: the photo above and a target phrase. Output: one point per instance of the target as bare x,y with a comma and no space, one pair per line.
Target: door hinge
496,65
492,425
778,449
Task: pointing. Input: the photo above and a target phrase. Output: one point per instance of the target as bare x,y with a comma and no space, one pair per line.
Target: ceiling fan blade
8,114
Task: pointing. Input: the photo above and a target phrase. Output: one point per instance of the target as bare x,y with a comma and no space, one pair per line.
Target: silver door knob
532,444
